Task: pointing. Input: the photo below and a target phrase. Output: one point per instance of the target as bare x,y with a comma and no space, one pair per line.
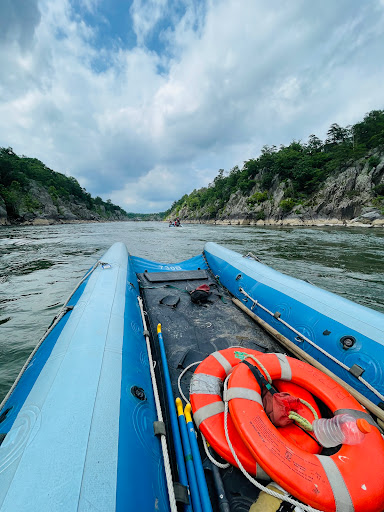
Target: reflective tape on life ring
206,389
207,411
247,394
286,373
348,481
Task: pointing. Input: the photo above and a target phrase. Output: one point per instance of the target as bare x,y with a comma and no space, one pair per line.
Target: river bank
52,222
294,222
351,196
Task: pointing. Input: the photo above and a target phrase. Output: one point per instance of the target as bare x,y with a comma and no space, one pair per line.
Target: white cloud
90,5
145,15
224,80
157,189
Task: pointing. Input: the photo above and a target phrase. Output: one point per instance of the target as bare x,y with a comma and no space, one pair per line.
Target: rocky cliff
38,206
352,196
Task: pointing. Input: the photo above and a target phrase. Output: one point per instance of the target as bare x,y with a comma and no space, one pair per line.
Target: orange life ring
208,408
350,480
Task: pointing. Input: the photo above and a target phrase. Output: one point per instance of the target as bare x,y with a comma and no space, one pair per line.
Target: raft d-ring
299,339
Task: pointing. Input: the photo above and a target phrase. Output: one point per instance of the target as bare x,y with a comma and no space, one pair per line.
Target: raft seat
181,275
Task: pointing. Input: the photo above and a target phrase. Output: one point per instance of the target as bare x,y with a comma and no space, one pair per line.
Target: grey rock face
3,213
348,197
39,207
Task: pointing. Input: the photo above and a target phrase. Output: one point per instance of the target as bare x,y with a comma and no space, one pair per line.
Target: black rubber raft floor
191,332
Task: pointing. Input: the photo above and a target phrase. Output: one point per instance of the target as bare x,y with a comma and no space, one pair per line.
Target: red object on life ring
350,480
292,431
208,408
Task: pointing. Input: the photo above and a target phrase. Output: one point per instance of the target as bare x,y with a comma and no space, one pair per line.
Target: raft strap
261,380
181,493
159,428
356,370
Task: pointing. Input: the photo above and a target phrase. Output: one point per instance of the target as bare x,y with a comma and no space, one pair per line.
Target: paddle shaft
173,417
189,462
301,354
203,489
221,496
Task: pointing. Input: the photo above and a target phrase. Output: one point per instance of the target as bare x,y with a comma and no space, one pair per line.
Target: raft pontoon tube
343,336
77,426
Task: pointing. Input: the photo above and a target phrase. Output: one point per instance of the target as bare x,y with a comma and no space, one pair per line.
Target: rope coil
247,475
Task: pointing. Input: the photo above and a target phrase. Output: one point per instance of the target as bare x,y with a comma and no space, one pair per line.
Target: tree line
16,173
306,166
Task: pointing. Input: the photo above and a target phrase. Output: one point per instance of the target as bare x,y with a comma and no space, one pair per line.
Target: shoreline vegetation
33,194
336,182
339,181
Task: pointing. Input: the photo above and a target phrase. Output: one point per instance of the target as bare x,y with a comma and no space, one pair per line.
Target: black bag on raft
201,294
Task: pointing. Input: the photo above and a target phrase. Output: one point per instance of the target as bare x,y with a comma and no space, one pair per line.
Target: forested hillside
340,178
31,192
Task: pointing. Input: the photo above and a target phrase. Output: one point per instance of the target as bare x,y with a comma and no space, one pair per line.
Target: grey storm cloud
18,21
154,123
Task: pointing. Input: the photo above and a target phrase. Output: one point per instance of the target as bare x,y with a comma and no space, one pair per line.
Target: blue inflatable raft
77,436
76,429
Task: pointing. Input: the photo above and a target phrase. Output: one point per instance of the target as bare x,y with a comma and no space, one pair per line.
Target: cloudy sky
144,100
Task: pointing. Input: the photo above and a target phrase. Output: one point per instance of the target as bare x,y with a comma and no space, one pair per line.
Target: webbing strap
248,394
181,493
286,372
340,491
224,362
261,380
359,414
207,411
261,474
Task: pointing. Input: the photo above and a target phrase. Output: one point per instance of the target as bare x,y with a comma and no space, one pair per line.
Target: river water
40,266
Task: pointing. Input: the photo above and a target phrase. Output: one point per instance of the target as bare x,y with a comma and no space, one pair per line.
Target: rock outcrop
354,196
39,207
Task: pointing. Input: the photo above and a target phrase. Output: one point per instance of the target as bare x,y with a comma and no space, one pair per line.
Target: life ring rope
257,484
250,356
286,371
306,424
321,481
